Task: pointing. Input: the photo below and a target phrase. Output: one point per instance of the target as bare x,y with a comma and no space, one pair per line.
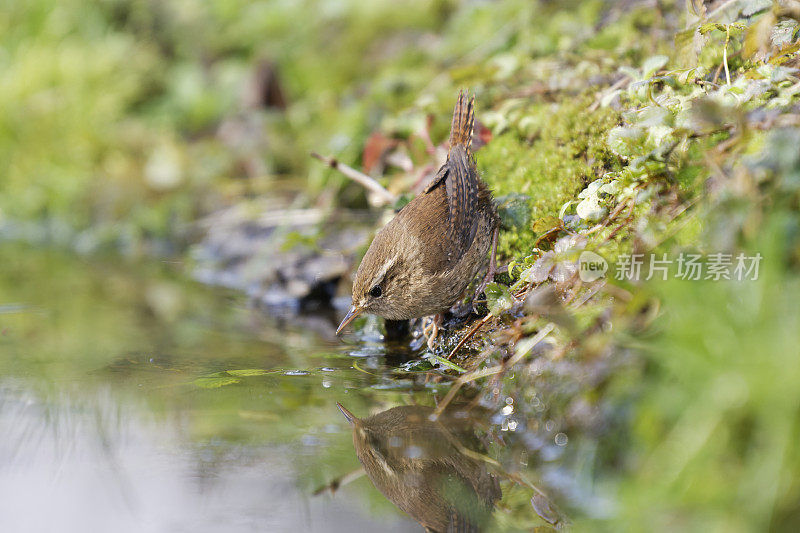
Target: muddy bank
286,260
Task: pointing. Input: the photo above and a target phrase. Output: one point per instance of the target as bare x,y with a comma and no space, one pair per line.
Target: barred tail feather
463,121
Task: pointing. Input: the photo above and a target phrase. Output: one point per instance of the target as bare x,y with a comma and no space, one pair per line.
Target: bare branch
359,177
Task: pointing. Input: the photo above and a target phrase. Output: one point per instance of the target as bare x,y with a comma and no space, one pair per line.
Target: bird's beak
349,317
347,414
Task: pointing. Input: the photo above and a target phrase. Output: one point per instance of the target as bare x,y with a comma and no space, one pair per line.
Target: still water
133,400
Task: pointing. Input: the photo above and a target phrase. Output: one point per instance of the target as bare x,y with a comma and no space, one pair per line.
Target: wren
428,468
422,261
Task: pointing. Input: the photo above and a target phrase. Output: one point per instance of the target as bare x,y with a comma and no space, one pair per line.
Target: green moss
552,153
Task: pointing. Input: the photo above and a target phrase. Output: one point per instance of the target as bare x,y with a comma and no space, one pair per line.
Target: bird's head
382,285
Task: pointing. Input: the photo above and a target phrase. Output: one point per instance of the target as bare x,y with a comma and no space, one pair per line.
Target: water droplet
550,425
326,383
512,425
507,410
561,439
296,373
327,369
544,508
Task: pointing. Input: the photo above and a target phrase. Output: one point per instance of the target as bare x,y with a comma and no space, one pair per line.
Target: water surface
134,400
131,400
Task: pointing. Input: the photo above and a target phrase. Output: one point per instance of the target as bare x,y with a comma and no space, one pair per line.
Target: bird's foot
431,330
461,310
482,287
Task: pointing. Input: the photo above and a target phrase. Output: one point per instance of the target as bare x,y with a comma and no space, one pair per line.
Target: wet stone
284,259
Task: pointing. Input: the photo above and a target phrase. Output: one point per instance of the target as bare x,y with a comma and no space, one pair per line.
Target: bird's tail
463,121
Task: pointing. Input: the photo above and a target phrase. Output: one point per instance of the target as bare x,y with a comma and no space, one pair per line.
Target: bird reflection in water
429,468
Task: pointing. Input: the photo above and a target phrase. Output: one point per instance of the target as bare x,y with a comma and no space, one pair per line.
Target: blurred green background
124,121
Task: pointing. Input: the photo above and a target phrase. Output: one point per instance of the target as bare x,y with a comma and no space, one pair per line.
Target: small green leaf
215,382
653,115
652,65
248,372
686,53
417,365
546,223
711,26
498,298
446,363
590,209
751,7
684,75
626,141
783,33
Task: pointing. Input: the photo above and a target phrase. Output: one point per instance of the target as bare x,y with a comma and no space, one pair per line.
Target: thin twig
486,372
472,376
631,203
339,482
601,94
539,337
469,334
676,229
359,177
716,76
620,206
585,297
725,55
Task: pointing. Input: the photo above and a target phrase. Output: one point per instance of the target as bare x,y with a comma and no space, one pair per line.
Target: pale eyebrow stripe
385,268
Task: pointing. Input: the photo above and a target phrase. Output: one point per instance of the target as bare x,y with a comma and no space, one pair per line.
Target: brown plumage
421,466
423,260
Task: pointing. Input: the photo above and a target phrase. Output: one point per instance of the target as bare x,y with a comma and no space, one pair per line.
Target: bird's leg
492,265
431,330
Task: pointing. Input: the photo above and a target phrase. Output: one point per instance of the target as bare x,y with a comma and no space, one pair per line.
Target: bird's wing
461,187
462,198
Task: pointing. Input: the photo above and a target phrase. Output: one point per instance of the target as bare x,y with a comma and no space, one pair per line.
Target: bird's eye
376,291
